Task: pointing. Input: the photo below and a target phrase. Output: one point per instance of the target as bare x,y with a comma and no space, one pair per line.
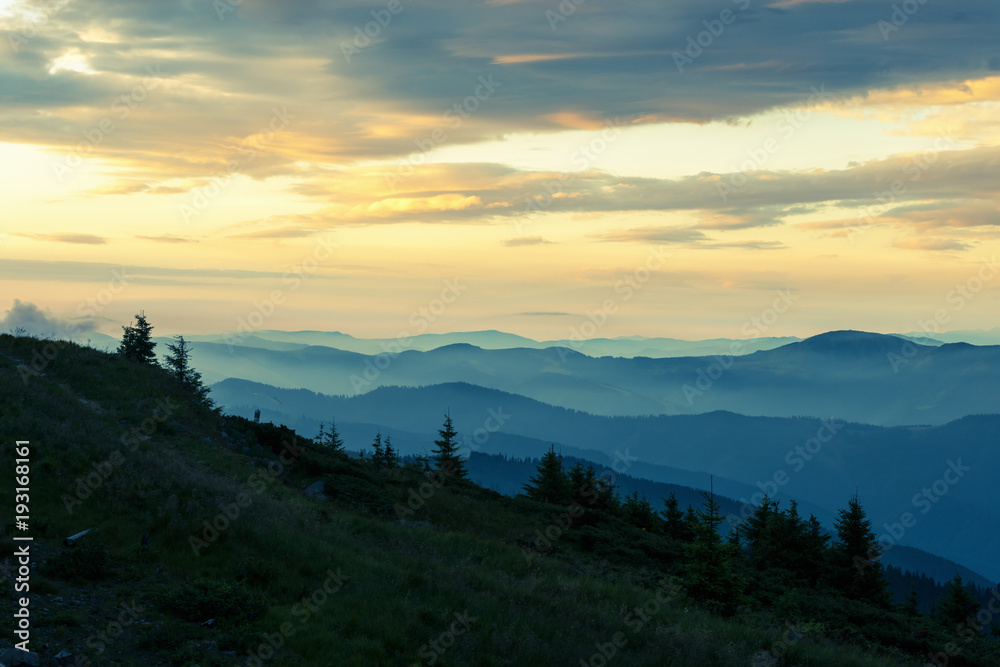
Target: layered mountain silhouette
854,376
625,346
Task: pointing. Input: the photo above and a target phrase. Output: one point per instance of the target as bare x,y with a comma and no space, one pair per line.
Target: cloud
784,4
35,321
727,201
525,240
686,236
737,219
932,244
167,238
95,272
747,245
409,205
231,74
545,314
657,234
274,95
950,213
121,187
277,233
85,239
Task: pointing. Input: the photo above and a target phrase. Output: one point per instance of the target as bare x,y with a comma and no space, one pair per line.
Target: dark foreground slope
243,567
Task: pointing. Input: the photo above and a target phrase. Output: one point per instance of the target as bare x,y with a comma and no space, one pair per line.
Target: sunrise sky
681,161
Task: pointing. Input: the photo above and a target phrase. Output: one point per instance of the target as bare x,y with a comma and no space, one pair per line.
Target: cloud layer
178,135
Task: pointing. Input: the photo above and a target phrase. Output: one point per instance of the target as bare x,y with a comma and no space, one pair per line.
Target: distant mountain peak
852,335
848,337
859,344
454,347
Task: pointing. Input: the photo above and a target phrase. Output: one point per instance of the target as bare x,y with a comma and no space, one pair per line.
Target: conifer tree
178,362
378,456
754,530
137,342
710,577
786,535
640,513
911,605
957,605
577,480
607,494
815,551
446,458
673,518
858,571
776,538
733,539
588,490
330,438
391,456
690,524
550,483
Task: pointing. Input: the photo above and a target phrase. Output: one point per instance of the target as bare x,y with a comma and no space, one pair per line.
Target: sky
552,169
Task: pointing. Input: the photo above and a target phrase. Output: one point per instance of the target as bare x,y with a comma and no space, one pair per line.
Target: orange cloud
576,121
933,94
395,205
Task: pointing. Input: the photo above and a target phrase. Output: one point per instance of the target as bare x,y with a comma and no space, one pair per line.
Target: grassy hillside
737,448
243,567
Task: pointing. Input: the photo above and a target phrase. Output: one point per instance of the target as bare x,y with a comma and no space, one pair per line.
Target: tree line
772,547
